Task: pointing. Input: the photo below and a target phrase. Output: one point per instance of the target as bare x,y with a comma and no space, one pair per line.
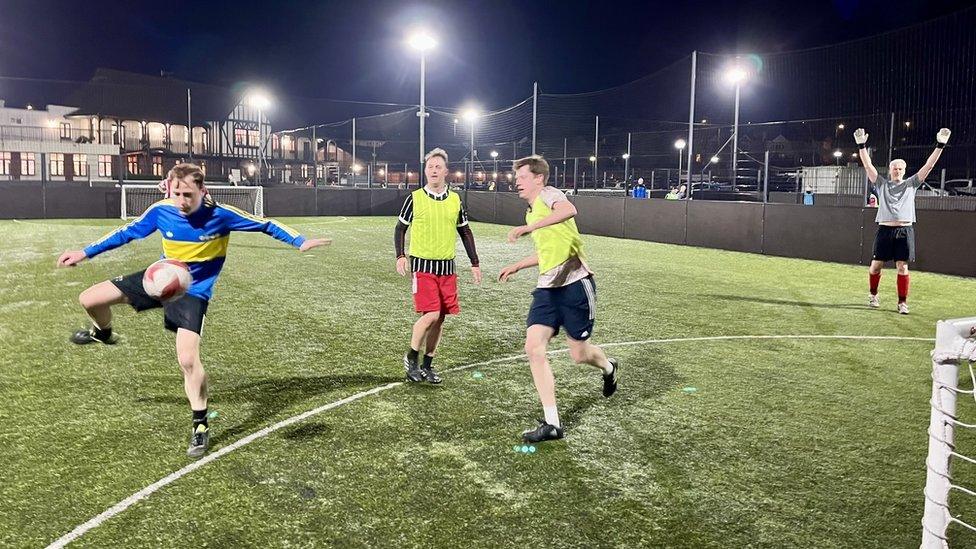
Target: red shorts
435,293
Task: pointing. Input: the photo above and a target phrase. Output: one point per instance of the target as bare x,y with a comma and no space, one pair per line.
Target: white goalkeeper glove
164,187
943,136
860,136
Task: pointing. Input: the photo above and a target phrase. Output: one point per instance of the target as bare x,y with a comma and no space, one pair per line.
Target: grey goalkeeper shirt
896,201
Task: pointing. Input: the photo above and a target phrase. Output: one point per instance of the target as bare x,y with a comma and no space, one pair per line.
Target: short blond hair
904,165
537,165
436,152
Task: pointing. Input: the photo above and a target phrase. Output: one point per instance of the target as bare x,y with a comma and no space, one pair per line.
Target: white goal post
955,346
136,199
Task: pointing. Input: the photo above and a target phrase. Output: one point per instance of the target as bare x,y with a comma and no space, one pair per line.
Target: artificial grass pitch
727,443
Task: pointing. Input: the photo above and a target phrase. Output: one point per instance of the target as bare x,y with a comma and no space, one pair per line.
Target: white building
45,144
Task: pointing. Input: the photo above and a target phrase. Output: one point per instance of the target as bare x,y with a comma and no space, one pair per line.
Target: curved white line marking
176,475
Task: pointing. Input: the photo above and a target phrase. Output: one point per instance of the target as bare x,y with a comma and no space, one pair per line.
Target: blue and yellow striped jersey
199,240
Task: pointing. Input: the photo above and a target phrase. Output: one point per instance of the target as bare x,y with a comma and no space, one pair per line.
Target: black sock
427,360
102,333
413,354
199,418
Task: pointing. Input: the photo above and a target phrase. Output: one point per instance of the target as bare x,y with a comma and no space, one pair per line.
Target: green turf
784,443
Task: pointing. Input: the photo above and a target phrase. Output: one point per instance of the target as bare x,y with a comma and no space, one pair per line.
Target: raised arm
940,142
239,220
861,138
561,211
141,227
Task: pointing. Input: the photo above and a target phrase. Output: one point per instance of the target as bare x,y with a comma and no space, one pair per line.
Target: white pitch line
121,506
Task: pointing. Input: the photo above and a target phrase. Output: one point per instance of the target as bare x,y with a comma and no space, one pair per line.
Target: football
167,280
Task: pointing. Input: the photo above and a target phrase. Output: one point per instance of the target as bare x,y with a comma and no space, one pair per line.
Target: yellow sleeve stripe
163,202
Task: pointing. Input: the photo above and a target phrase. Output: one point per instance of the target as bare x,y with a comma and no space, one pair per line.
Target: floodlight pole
735,139
423,112
691,122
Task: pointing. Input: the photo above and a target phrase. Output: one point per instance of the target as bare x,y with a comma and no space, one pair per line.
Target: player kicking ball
565,296
195,231
895,240
435,218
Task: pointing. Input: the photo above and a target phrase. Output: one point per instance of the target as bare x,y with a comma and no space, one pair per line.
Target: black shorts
187,312
894,243
572,307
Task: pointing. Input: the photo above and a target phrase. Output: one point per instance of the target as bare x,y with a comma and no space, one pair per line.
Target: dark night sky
490,51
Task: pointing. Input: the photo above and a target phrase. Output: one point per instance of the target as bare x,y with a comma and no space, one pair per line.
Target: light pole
592,161
422,42
260,101
470,115
626,157
736,75
680,145
837,155
494,156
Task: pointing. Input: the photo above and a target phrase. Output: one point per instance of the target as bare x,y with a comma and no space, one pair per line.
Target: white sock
608,368
552,415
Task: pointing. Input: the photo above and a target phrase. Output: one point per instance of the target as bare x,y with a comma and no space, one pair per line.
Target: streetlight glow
736,75
626,156
258,100
680,144
592,159
840,126
838,154
421,41
470,114
713,160
494,154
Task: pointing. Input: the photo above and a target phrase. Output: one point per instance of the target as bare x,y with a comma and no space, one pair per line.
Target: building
48,144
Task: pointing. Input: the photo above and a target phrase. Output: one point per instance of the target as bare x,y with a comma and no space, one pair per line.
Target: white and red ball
167,280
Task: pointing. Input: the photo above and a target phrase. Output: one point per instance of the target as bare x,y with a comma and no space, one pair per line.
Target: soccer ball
167,280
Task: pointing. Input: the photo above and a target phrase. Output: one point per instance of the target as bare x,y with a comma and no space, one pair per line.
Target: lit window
105,165
56,164
81,165
27,164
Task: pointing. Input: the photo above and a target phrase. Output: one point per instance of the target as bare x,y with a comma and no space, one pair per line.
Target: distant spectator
682,192
672,194
640,191
808,196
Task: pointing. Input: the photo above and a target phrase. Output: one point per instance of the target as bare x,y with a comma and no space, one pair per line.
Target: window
27,166
5,163
81,165
104,165
240,137
133,165
275,142
65,130
306,149
246,138
157,166
115,134
304,171
56,164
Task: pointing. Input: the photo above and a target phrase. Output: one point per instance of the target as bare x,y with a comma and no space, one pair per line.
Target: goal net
136,199
955,350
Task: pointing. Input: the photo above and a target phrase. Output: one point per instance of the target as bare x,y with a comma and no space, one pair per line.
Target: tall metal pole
766,177
564,162
691,122
189,124
575,173
627,163
471,155
261,150
735,140
596,149
423,112
535,103
315,159
353,150
891,139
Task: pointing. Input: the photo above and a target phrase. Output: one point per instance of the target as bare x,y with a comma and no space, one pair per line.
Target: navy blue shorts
572,307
